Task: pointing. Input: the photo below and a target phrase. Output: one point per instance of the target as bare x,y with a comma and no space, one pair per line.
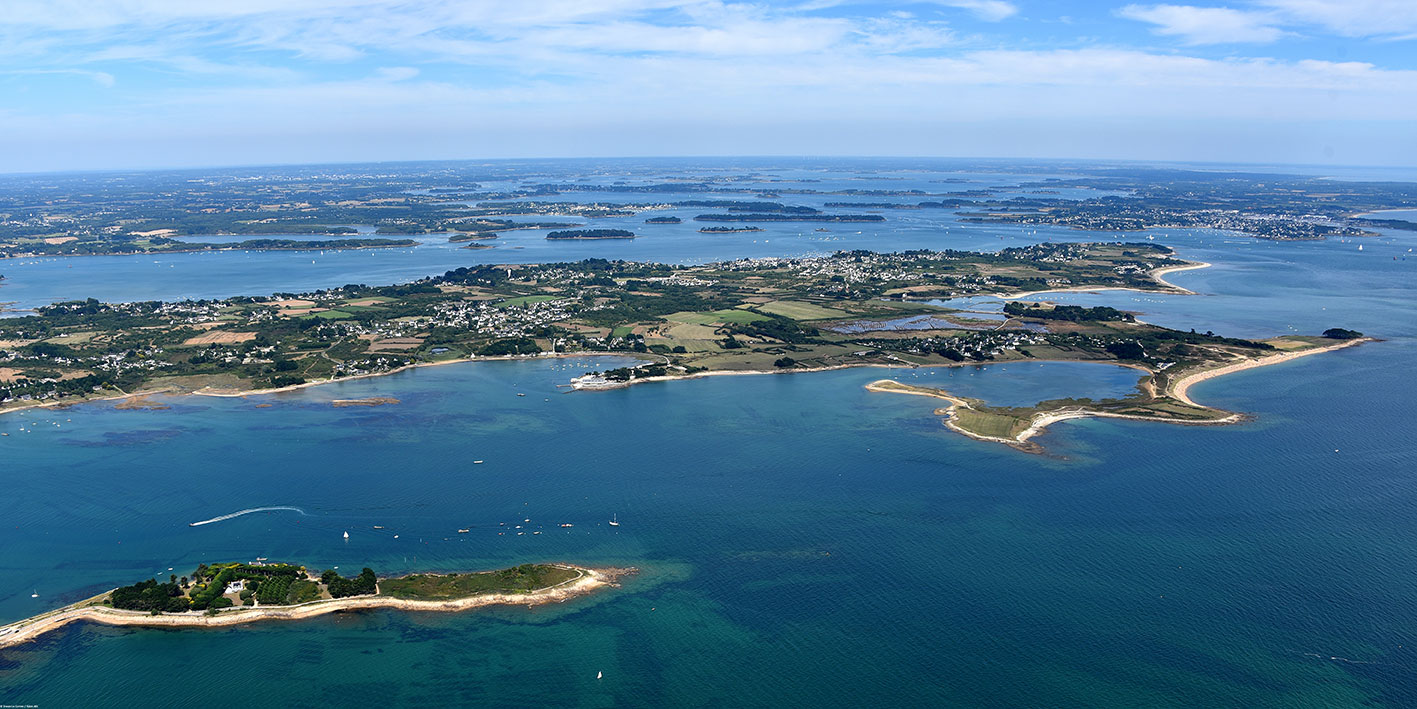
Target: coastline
1037,424
198,251
1178,389
1156,275
1041,420
237,394
27,630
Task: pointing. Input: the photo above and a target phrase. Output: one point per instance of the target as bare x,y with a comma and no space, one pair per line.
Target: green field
441,587
801,311
736,317
990,424
523,300
329,315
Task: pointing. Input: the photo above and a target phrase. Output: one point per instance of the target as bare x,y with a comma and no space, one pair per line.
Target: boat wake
223,518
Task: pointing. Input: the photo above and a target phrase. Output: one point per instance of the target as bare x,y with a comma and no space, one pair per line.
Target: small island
591,234
664,220
728,229
788,216
235,593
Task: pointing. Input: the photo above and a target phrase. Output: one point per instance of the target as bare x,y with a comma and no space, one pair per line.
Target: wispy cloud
989,10
1350,18
1265,21
98,77
1206,25
438,70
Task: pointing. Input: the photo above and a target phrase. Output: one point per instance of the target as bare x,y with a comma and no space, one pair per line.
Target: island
235,593
788,217
664,220
71,246
107,213
592,234
728,229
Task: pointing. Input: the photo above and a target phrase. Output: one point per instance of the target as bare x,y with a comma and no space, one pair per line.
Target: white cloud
101,78
989,10
1351,18
1206,25
440,71
1269,20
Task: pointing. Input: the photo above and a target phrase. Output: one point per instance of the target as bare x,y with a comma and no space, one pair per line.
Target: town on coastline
852,308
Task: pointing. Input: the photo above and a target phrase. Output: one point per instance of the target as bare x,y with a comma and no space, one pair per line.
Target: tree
1127,350
1338,333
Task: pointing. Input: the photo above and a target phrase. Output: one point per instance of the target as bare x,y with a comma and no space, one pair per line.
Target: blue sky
137,83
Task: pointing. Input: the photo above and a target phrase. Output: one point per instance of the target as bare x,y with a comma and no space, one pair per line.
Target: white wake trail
245,512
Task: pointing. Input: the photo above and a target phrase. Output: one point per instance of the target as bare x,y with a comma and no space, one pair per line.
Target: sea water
800,541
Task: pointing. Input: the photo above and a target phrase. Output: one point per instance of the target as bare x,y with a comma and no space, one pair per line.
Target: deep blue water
802,541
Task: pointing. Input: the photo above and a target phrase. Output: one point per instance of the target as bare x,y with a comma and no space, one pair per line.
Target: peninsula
235,593
852,308
1161,395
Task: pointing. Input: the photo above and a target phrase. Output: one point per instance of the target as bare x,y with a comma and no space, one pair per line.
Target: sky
88,84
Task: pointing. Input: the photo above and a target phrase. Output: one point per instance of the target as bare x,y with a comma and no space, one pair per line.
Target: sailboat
35,594
615,520
346,535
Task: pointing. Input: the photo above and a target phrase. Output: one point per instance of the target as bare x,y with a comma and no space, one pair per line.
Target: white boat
615,520
346,535
598,675
35,594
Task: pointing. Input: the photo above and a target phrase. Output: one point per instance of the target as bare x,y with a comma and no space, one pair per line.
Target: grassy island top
216,586
237,593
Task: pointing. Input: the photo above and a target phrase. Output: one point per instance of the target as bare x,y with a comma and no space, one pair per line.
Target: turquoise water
802,541
808,543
